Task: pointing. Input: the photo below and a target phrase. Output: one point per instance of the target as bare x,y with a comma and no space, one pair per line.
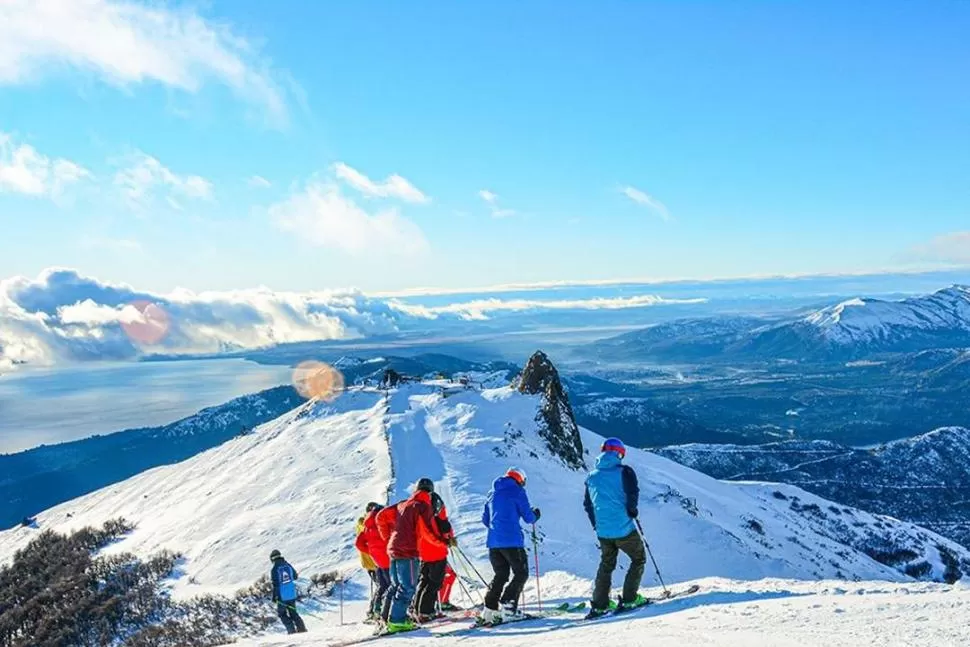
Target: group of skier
405,547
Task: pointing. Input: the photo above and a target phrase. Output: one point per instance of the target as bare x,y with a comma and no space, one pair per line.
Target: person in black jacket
284,577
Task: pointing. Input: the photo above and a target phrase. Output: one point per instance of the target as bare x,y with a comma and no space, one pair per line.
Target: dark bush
59,592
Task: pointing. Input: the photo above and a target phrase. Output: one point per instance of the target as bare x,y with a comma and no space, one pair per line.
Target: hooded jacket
506,505
612,497
370,543
415,523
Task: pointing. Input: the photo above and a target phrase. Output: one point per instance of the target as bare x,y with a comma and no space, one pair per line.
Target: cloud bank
63,316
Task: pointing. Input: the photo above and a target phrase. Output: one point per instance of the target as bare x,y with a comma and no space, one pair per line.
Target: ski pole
465,557
656,568
535,551
341,600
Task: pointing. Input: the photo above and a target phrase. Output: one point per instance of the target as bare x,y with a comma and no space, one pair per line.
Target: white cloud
394,186
259,182
487,196
145,177
646,200
24,170
322,215
947,248
477,310
491,199
126,43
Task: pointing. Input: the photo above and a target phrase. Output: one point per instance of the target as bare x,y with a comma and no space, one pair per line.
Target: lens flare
319,380
149,325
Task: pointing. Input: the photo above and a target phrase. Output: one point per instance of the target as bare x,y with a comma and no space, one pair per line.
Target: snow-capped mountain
849,330
925,479
38,478
299,482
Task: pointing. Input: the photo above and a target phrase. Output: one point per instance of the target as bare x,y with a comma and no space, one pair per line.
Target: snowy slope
294,484
770,613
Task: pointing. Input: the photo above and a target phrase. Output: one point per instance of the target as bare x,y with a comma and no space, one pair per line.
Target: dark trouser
404,575
382,582
503,561
432,576
632,547
291,619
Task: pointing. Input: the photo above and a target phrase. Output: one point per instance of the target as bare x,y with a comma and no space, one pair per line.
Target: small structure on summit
557,425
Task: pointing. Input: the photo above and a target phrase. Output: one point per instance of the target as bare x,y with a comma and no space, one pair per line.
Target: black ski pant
504,561
382,582
291,619
432,576
632,547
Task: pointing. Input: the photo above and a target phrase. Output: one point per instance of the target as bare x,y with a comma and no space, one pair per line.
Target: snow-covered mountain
925,479
33,480
298,483
852,329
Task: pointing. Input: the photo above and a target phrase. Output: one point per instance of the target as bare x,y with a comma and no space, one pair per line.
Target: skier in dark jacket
284,577
612,500
506,505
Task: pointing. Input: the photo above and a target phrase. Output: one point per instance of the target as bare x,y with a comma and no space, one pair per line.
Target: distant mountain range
851,330
925,479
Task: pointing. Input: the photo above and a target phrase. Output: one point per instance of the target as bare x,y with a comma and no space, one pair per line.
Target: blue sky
381,145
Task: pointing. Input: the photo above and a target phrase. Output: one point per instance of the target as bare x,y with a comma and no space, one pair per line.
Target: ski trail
414,454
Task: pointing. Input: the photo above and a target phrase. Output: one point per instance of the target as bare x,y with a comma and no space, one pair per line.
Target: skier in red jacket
433,540
370,542
415,523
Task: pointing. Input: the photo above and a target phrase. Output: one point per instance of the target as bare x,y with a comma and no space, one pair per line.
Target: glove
537,513
275,600
452,542
633,512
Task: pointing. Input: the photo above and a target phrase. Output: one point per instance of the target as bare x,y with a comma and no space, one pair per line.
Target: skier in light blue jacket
612,500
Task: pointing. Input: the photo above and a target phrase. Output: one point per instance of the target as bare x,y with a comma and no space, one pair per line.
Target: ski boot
636,603
448,606
400,627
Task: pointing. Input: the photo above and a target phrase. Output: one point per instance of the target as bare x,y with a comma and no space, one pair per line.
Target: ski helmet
614,445
373,505
275,555
517,474
424,485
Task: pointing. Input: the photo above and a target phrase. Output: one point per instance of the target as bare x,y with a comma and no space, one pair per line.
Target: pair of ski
563,609
567,608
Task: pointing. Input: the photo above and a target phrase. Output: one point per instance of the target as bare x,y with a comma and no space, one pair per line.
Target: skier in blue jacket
506,505
612,500
284,577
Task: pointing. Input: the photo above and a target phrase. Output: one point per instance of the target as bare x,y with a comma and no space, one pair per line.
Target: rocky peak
557,425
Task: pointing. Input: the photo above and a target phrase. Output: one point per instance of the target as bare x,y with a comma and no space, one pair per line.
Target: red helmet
517,474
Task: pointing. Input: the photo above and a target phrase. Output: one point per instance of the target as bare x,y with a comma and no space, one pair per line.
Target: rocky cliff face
557,425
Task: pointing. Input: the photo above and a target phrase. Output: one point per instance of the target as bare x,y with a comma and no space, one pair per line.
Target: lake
47,406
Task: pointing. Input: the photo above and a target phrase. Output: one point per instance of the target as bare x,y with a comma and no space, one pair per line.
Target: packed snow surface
725,613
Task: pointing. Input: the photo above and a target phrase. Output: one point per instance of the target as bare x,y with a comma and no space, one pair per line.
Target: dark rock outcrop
557,425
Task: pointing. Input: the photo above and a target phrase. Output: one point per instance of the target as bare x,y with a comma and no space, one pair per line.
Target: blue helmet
614,445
